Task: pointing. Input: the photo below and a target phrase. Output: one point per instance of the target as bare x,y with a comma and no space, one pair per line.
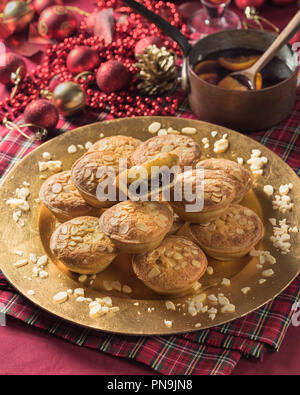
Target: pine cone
157,70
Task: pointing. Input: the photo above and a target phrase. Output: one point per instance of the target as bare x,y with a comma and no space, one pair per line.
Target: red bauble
281,3
145,42
40,5
42,113
242,4
57,23
9,63
82,59
112,76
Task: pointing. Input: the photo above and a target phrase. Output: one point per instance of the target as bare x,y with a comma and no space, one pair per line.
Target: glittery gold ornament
17,15
68,97
158,72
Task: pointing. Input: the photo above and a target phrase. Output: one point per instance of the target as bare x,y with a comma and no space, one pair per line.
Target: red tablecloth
22,348
18,342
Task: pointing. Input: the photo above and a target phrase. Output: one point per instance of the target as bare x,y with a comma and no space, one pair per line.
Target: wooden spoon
248,77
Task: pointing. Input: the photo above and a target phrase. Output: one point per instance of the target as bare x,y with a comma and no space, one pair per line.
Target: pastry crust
92,169
121,146
177,224
136,227
241,177
184,147
61,197
82,247
172,268
217,192
232,235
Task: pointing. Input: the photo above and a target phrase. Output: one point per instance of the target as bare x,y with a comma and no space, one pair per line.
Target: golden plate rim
117,326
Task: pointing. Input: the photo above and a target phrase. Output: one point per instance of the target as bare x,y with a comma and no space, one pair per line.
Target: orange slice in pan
211,78
259,81
238,64
232,84
206,67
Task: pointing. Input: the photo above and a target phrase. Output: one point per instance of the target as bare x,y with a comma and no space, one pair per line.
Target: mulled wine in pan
216,68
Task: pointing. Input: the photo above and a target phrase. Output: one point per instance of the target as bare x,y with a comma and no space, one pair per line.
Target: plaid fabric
215,351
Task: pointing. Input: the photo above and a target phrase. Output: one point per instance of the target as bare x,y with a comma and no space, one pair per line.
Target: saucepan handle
162,24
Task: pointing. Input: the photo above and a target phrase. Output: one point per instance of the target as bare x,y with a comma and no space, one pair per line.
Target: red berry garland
122,103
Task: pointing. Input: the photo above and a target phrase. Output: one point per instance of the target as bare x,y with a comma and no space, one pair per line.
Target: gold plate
132,319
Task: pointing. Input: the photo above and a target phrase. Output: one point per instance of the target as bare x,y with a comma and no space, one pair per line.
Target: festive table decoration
112,76
253,19
157,70
17,15
82,59
69,97
102,25
57,23
40,5
42,113
9,64
125,30
146,42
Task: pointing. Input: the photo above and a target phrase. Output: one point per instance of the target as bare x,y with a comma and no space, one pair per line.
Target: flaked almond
245,290
170,305
97,311
116,285
154,127
177,256
215,198
268,273
196,263
126,289
192,310
60,297
142,227
170,262
79,292
107,285
226,282
21,263
223,300
108,158
228,308
167,148
114,221
123,228
188,130
154,272
210,270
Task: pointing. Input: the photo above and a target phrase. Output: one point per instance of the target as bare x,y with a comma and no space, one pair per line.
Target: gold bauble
68,97
17,15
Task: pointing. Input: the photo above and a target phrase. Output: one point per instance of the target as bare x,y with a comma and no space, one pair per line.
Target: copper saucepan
240,110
